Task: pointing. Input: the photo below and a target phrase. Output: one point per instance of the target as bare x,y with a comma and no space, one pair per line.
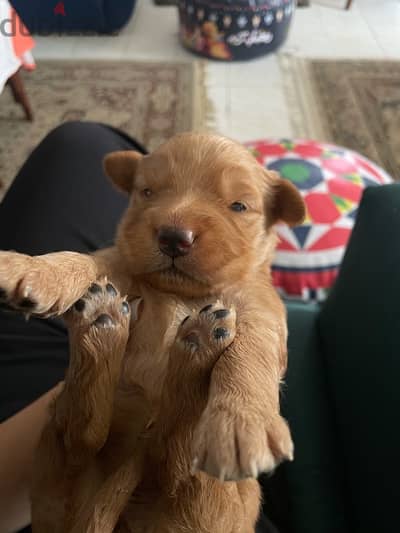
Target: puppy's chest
150,341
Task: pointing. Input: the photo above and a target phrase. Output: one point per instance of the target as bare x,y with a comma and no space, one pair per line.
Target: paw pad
104,321
221,333
221,313
111,289
126,308
80,305
95,288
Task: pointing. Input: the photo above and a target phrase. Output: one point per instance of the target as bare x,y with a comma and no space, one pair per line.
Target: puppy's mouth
172,271
170,277
175,274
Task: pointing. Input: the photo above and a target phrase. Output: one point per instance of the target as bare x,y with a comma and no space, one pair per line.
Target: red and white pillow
331,180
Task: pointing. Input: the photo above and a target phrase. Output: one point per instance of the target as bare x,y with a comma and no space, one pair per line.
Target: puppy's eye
147,193
238,206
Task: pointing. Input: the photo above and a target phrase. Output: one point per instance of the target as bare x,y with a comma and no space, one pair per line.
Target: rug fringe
304,111
296,113
203,107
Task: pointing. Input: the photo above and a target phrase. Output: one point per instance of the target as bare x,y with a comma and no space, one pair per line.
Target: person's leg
60,200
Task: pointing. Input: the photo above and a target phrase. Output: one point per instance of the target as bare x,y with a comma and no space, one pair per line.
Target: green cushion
360,334
315,493
306,496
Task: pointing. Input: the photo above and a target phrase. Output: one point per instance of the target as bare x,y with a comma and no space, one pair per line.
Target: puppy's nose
175,242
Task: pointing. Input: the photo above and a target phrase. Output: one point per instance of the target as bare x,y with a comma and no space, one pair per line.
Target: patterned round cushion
331,180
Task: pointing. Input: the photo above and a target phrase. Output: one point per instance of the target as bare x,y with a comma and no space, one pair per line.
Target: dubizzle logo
60,9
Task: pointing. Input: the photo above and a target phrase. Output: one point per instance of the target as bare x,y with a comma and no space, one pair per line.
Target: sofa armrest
359,328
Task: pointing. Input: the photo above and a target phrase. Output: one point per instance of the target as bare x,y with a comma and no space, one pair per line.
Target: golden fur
161,427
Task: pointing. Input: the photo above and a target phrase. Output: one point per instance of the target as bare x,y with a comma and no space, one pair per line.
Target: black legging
60,200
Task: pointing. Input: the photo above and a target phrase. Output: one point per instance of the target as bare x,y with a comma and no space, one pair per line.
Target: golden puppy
165,421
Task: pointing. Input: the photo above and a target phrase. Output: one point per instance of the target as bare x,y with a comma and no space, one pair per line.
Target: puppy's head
201,213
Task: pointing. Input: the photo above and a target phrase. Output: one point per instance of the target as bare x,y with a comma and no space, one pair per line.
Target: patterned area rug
150,101
355,104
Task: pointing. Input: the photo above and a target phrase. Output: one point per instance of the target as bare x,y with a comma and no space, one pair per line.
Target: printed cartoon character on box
206,39
215,45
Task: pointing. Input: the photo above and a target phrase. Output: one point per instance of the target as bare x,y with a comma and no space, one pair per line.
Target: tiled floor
248,97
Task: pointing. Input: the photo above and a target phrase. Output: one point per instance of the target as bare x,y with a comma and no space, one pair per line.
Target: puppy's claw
195,466
254,469
136,306
26,292
290,454
222,475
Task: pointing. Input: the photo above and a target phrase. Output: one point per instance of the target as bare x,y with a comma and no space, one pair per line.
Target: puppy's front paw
234,446
27,284
102,316
209,332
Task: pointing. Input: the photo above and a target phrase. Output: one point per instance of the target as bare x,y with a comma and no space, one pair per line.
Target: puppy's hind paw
102,314
208,332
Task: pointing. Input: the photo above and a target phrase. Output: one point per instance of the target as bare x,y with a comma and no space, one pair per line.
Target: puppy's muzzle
175,242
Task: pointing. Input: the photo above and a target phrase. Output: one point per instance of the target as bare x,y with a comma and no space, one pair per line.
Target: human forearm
19,437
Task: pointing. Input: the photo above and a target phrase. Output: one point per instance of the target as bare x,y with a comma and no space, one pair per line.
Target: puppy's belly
146,359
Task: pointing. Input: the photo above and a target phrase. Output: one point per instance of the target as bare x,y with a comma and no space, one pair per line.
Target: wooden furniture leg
20,96
348,5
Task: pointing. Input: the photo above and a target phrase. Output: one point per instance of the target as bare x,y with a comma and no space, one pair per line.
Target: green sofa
342,391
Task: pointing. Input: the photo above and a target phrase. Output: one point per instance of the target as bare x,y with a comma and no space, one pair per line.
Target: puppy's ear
287,204
121,167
